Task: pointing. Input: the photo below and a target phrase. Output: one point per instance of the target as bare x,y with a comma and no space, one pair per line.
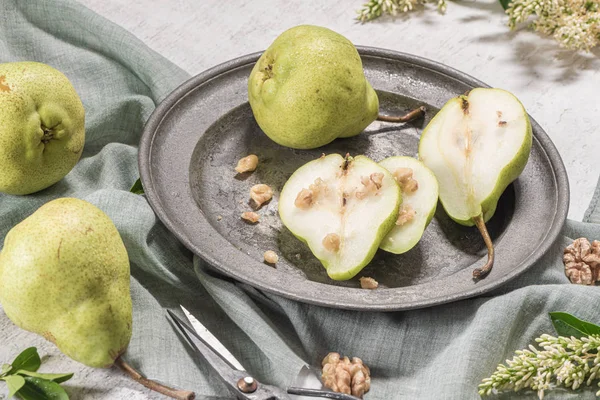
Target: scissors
232,373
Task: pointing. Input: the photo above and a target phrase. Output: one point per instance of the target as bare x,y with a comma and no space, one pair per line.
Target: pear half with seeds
342,207
419,201
476,146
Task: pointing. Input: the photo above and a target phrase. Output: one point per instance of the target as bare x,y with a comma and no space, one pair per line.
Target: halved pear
419,201
342,207
476,146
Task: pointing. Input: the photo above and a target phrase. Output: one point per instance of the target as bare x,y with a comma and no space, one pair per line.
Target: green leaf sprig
570,360
26,383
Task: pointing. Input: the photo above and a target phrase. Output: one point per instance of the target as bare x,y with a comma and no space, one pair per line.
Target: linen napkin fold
436,353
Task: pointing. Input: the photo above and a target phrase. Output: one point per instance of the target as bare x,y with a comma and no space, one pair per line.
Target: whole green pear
42,129
64,274
309,88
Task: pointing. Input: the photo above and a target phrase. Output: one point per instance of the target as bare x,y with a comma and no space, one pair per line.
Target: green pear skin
64,274
42,129
309,88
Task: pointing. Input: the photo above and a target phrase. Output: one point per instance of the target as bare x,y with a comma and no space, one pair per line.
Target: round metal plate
195,137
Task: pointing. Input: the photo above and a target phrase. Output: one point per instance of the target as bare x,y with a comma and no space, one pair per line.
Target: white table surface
559,88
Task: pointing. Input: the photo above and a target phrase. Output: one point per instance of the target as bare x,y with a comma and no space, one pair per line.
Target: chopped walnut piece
331,242
368,283
377,179
304,199
411,186
406,214
250,216
371,184
247,164
261,193
307,197
344,376
582,261
271,257
404,177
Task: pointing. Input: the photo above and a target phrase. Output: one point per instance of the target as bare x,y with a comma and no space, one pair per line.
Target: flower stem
153,385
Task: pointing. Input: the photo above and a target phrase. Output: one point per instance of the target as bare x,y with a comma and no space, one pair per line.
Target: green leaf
29,360
58,378
5,369
505,3
567,325
41,389
137,187
14,383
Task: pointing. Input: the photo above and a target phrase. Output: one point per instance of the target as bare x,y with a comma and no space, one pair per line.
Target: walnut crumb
219,217
331,242
368,283
406,214
344,376
271,257
247,164
260,194
250,216
582,261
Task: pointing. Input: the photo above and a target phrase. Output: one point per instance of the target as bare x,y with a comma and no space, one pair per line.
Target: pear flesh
476,146
309,88
419,201
342,208
64,274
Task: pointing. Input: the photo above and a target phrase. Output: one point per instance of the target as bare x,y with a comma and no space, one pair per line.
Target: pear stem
414,114
480,273
153,385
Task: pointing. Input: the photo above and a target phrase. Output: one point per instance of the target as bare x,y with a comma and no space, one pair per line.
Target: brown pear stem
153,385
414,114
480,273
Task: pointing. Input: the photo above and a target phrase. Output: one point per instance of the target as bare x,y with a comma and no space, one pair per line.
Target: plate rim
170,101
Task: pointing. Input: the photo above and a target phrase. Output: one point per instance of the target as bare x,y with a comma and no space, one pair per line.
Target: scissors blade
212,341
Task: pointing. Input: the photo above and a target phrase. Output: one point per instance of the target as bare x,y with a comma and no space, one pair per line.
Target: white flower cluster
375,8
575,24
560,361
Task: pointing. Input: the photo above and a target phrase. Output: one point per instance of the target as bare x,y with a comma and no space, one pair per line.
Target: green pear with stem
64,274
476,145
419,201
43,127
309,88
341,207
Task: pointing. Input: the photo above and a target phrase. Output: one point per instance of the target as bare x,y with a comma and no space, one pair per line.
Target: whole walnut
582,261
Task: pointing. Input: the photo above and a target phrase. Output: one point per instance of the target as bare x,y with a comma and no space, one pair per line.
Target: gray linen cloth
436,353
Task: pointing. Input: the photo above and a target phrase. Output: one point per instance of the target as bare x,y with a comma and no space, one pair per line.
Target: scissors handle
320,393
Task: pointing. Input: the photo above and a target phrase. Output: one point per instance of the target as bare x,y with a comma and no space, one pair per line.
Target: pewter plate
195,137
